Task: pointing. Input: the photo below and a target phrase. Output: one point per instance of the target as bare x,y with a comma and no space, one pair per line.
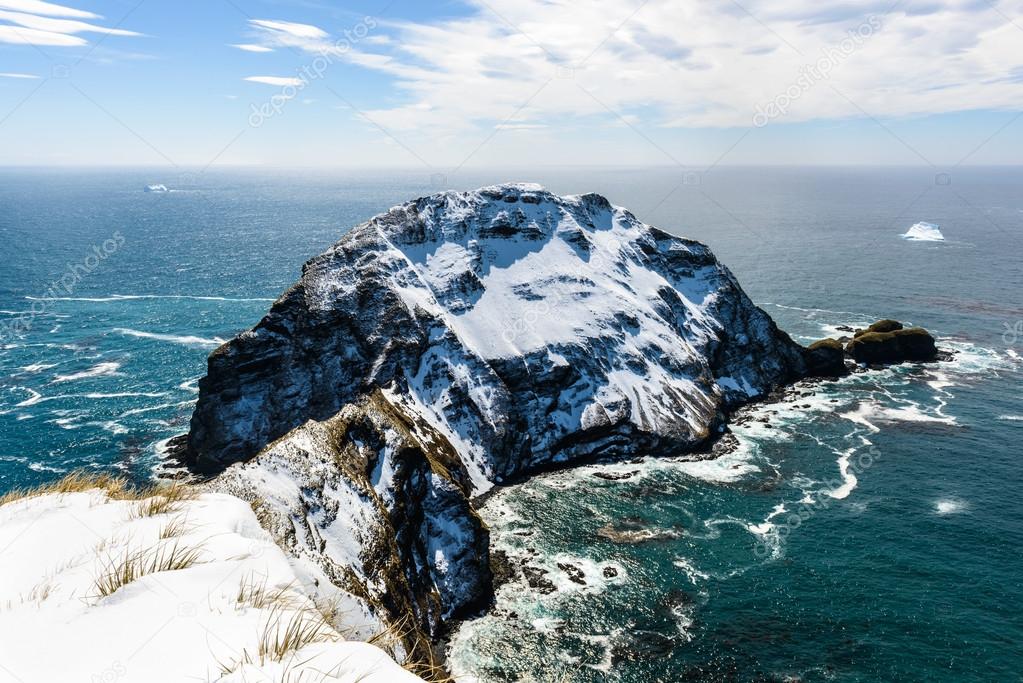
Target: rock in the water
459,341
895,346
529,329
825,358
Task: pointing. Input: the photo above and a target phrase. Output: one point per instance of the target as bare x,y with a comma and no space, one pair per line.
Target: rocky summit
529,329
459,341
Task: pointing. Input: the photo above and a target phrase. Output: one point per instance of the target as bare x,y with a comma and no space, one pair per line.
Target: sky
482,83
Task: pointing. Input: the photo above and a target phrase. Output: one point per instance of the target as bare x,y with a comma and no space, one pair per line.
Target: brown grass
162,499
282,636
133,565
166,495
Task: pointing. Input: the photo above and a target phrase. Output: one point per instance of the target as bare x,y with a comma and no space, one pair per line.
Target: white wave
727,468
1011,418
37,367
692,573
924,232
849,479
161,406
817,310
122,394
950,506
40,467
33,399
176,339
191,385
99,370
137,297
867,413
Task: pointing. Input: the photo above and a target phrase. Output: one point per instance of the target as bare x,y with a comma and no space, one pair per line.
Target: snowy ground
224,616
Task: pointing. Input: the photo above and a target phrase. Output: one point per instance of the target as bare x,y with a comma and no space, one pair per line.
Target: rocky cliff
462,340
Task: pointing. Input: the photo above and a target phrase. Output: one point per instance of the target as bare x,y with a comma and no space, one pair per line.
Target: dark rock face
825,358
897,346
378,503
529,329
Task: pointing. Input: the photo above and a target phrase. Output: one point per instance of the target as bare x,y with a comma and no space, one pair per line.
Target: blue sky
510,82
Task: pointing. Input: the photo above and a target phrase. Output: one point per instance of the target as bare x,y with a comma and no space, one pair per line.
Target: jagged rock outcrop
529,329
825,358
377,501
462,340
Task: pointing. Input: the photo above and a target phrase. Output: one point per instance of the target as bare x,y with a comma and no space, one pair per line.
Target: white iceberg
924,232
156,188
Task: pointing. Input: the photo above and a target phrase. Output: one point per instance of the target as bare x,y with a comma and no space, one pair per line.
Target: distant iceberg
156,188
924,232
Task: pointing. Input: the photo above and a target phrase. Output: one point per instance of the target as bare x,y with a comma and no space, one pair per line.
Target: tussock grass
256,594
422,660
176,528
163,499
156,499
76,482
133,565
285,632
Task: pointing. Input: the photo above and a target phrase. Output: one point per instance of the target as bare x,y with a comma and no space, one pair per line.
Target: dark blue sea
865,530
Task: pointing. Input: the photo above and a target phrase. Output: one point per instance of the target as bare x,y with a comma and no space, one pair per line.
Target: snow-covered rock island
455,343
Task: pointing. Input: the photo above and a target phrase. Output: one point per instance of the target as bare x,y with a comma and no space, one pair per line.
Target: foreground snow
924,232
203,622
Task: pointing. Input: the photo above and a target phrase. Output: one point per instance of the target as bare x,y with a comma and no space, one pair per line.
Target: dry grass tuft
163,499
156,499
283,636
76,482
422,660
255,593
133,565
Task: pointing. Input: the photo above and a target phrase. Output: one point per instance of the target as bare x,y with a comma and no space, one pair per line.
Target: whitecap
37,367
949,506
33,399
99,370
1011,418
138,297
191,385
849,479
923,232
187,340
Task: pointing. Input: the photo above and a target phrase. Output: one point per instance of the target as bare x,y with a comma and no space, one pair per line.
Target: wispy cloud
46,9
32,22
278,81
14,75
250,47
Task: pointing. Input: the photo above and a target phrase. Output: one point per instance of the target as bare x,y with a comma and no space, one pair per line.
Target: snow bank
924,232
204,621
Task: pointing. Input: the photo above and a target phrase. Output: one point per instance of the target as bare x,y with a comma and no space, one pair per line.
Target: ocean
862,530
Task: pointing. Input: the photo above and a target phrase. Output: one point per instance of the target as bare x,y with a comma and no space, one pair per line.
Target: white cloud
279,81
32,22
687,63
286,30
249,47
59,25
17,35
12,75
46,9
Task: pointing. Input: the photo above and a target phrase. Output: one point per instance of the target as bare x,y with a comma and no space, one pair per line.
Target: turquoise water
911,572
